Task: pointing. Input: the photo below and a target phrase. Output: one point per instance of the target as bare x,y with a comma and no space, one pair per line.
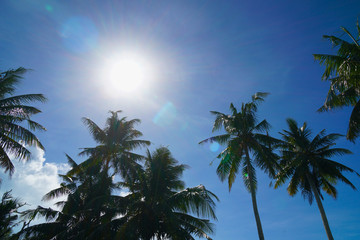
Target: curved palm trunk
321,208
253,198
107,164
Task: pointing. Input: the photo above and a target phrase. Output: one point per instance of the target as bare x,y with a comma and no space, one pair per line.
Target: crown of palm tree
13,113
343,72
116,142
302,156
244,135
160,206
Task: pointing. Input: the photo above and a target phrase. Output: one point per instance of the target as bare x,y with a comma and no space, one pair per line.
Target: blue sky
205,54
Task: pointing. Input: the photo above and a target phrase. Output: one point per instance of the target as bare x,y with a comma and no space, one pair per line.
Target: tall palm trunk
253,198
107,164
321,208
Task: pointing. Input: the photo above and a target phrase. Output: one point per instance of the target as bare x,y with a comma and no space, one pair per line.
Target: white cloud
33,179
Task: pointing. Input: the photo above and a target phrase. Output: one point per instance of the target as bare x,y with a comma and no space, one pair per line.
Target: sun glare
126,74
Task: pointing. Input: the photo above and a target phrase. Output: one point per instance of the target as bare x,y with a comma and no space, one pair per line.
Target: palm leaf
354,123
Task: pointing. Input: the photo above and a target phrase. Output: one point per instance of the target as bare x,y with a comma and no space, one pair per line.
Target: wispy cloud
33,179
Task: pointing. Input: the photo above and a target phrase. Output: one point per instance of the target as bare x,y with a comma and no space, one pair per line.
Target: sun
127,73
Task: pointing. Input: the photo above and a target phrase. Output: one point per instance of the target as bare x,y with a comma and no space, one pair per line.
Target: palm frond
220,120
354,123
197,200
305,161
48,213
12,147
21,99
351,36
221,139
247,171
19,133
97,133
58,192
6,163
263,126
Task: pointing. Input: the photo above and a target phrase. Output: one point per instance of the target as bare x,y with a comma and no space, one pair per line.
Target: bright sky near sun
169,63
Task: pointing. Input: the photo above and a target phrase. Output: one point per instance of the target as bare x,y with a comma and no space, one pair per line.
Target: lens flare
214,147
49,8
79,34
166,115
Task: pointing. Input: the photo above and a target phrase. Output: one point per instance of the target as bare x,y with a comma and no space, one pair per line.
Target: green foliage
13,113
307,163
303,156
87,211
155,204
247,145
244,137
343,72
8,215
160,207
115,144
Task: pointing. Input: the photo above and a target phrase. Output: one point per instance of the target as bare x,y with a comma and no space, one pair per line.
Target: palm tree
116,141
153,208
8,214
307,163
343,72
13,112
247,145
160,206
90,208
90,211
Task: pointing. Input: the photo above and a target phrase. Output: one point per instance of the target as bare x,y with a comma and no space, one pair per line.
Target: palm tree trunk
107,162
253,198
321,208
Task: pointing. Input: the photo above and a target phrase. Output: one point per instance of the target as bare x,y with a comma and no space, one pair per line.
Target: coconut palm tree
160,206
343,72
116,142
247,145
90,211
14,111
8,215
307,163
90,208
157,205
